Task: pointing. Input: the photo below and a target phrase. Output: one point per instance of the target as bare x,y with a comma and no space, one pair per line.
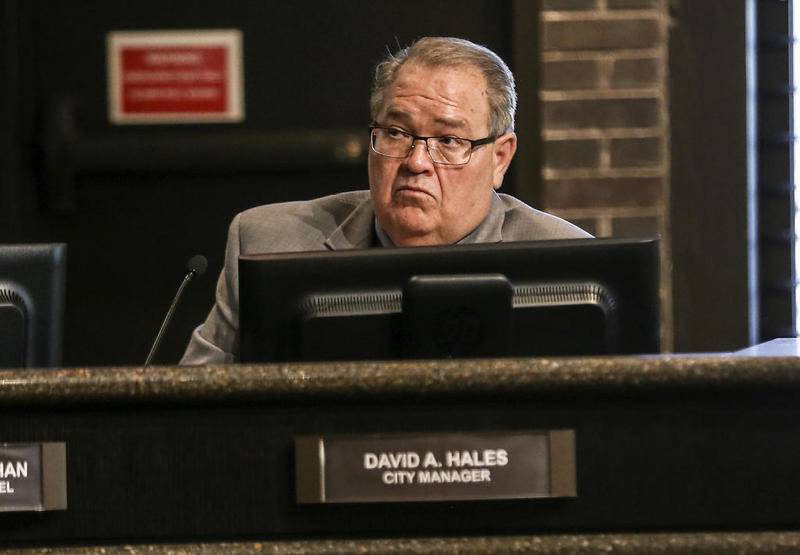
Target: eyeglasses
447,151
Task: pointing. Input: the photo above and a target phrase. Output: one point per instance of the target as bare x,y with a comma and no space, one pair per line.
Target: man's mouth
410,189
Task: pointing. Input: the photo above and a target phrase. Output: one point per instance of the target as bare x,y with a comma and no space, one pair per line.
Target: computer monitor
541,298
32,282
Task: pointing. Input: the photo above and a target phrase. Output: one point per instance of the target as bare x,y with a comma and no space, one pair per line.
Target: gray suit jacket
336,222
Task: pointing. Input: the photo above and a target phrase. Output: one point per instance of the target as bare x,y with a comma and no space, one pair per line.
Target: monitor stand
458,316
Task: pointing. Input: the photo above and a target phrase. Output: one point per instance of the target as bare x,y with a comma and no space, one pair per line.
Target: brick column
605,122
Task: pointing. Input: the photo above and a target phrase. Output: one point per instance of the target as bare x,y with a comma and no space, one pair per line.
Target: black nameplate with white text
33,477
435,467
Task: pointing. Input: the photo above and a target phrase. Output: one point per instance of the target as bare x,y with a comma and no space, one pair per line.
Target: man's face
416,201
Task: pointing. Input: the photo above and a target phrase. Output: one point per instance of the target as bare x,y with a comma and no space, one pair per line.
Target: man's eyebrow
397,114
451,122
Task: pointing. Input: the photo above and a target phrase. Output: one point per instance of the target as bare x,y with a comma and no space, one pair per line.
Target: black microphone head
197,264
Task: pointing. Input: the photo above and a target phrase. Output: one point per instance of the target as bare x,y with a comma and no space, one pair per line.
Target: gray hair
453,52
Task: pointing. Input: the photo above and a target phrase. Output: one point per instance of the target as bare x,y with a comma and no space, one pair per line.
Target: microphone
196,266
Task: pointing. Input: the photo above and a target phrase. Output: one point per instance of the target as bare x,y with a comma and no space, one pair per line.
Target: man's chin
410,231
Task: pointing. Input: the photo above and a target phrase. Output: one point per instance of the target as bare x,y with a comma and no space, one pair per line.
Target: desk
687,454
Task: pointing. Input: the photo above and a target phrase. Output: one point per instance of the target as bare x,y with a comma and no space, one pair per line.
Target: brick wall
605,122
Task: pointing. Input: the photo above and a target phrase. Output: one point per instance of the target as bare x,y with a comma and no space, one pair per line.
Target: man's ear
504,148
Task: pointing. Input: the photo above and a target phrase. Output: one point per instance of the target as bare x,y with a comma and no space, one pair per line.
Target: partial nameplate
435,467
33,477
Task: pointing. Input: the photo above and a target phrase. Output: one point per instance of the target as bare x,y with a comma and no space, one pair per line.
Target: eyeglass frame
474,143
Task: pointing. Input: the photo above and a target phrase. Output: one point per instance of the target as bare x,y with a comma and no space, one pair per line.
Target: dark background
713,230
134,202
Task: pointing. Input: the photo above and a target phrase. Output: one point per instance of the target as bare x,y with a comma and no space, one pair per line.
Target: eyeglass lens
443,150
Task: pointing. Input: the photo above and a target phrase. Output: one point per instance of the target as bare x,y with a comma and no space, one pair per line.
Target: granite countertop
696,543
350,380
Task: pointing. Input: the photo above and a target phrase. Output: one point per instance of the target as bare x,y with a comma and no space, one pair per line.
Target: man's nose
419,160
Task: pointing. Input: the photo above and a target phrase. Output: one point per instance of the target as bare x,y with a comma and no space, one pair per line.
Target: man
442,138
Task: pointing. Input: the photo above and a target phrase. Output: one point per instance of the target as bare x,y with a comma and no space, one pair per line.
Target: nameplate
33,477
435,467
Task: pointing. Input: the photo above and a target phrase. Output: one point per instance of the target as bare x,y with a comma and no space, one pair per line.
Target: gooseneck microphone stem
168,318
196,266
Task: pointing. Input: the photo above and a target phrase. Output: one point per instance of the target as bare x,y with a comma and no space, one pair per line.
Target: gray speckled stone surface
739,543
518,377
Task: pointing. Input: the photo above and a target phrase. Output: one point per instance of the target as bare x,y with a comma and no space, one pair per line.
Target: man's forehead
459,91
413,72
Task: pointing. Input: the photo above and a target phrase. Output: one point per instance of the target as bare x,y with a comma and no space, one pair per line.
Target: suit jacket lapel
356,231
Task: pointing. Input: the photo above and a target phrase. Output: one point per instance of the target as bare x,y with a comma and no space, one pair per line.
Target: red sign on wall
175,76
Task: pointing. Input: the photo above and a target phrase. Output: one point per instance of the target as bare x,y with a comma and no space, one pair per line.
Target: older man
442,138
